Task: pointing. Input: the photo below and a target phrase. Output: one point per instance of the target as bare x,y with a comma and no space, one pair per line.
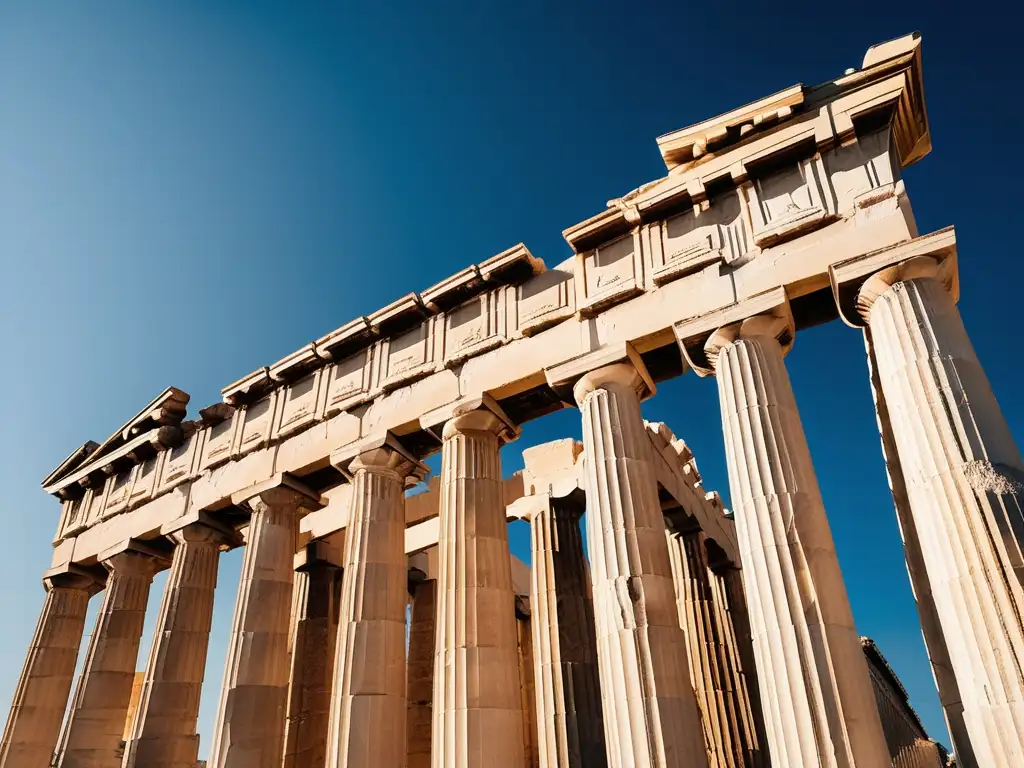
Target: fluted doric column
317,596
95,725
931,628
33,725
569,724
164,734
368,712
478,717
964,481
708,612
818,703
419,676
249,731
651,718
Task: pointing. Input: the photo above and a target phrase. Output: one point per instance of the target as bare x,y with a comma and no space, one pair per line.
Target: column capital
281,491
774,327
199,527
475,414
135,556
383,455
71,576
614,364
734,320
858,283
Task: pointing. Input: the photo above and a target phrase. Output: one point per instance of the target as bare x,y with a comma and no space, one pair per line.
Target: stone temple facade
372,629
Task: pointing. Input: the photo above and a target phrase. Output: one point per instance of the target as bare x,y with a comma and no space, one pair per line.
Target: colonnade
689,667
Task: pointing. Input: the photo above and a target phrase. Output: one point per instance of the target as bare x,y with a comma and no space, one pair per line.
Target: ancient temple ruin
688,636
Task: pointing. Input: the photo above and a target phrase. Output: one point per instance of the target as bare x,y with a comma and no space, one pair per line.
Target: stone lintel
436,420
553,468
888,264
562,378
151,549
691,335
382,448
282,481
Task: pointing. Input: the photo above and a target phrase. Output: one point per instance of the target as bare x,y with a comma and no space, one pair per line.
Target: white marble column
163,733
817,699
478,718
317,597
964,481
651,718
569,724
95,724
707,612
249,731
931,628
33,725
368,714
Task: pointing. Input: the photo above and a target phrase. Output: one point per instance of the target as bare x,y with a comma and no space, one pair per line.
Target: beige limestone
33,725
477,708
818,705
164,732
368,714
96,722
650,713
419,689
315,629
249,730
569,724
963,475
716,667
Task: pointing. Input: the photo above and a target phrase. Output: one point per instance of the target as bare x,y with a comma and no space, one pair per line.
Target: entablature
652,276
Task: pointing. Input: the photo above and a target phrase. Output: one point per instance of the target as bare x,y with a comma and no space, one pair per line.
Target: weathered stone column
651,718
164,732
527,687
33,725
95,725
716,669
478,718
931,628
965,482
818,704
318,594
419,688
368,712
249,732
569,723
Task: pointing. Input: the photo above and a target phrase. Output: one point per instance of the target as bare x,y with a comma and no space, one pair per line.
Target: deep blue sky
192,191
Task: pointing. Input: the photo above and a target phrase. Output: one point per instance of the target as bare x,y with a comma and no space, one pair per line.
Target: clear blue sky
192,191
